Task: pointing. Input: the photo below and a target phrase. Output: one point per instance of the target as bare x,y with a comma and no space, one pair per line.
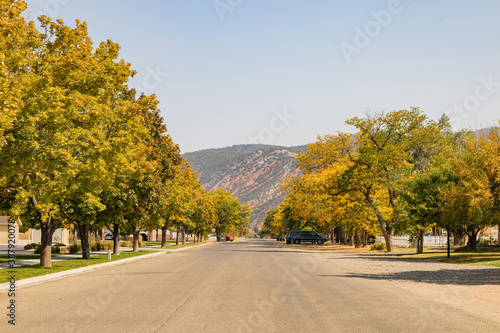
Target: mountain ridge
252,172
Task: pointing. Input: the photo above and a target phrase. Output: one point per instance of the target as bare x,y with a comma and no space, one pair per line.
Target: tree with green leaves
203,216
230,213
471,201
54,149
422,204
18,39
383,160
77,146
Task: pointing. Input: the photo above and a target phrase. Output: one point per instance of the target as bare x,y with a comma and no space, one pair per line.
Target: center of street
246,286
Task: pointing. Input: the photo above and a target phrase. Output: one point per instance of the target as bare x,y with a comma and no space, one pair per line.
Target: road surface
247,286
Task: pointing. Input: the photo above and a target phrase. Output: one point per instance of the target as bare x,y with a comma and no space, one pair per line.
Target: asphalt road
248,286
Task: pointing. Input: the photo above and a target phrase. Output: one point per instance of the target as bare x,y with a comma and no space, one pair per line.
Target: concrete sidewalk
20,263
54,276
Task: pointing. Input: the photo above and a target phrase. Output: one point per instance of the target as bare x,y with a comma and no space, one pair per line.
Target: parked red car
229,238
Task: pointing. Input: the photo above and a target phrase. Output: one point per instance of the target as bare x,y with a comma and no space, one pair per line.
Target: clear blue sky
229,72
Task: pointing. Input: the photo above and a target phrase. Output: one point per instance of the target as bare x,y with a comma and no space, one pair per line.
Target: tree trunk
388,242
457,239
381,221
177,236
422,235
420,240
333,235
183,236
357,238
337,235
47,230
365,237
458,236
116,239
164,236
473,241
344,237
387,234
84,236
135,233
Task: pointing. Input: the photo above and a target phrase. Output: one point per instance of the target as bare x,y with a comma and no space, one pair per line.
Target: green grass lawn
64,265
494,264
488,256
153,243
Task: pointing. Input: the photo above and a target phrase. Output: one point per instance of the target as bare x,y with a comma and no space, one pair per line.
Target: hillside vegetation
253,173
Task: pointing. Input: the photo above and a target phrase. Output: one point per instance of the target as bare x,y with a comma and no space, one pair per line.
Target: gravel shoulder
474,289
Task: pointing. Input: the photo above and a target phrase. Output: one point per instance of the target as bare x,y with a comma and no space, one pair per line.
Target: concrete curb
4,287
188,247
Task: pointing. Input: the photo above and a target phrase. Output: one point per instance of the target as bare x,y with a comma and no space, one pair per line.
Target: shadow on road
466,277
382,258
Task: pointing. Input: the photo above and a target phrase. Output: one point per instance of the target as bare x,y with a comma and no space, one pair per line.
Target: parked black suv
297,236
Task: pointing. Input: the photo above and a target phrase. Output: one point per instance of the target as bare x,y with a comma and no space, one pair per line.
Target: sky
282,72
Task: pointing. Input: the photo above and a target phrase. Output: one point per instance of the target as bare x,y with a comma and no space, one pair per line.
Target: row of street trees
79,148
401,173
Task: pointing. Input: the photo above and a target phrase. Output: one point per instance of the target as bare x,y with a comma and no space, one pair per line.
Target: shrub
378,246
95,246
75,248
131,244
486,242
106,245
55,249
31,246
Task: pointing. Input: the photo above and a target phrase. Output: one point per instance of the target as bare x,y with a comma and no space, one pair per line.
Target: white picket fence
403,241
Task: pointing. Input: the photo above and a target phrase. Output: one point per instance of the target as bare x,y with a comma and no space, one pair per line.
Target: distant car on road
280,239
298,236
229,238
108,237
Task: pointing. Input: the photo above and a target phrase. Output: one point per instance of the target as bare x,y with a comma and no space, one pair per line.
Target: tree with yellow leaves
471,201
369,169
55,157
230,214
